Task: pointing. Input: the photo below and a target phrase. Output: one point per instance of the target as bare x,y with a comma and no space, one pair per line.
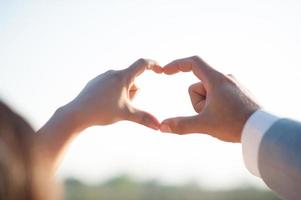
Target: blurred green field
125,188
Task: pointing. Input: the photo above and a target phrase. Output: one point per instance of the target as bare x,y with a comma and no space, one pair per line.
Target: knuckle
145,119
173,127
183,128
116,76
190,88
197,109
222,80
229,79
110,71
195,58
119,74
142,60
177,126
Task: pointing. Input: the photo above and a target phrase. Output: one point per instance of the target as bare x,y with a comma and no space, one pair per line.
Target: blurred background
50,49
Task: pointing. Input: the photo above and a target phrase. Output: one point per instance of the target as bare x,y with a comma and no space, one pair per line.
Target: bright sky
50,49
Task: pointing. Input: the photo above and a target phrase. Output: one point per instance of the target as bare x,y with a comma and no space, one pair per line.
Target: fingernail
165,128
151,123
155,127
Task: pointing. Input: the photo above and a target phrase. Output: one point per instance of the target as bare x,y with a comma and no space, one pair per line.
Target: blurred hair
19,167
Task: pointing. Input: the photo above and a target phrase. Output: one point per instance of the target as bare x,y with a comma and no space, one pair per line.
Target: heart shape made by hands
164,96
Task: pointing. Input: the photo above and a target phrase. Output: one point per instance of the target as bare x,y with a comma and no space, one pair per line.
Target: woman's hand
107,98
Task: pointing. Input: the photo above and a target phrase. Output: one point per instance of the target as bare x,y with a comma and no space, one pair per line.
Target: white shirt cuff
256,126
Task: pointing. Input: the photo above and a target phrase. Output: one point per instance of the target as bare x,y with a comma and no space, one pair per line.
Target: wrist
70,118
245,117
54,136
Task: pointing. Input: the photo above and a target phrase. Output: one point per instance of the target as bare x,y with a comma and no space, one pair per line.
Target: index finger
141,65
195,64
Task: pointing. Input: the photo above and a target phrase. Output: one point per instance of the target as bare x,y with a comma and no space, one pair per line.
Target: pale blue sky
50,49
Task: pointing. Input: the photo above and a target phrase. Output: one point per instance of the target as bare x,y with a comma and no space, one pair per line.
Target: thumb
143,118
181,125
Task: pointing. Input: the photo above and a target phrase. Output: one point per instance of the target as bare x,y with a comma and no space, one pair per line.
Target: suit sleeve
277,154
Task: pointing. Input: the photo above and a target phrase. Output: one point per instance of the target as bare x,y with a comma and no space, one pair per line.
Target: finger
158,69
195,64
197,93
198,107
133,91
143,118
141,65
181,125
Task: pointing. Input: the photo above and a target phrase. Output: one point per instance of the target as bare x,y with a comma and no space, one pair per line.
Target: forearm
54,137
271,147
279,159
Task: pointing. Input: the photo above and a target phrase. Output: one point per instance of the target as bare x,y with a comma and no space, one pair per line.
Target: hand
107,98
223,106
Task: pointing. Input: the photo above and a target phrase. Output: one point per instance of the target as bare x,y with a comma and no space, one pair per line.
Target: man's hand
223,106
107,98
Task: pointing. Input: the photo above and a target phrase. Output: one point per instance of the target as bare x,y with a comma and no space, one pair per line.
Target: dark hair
19,167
